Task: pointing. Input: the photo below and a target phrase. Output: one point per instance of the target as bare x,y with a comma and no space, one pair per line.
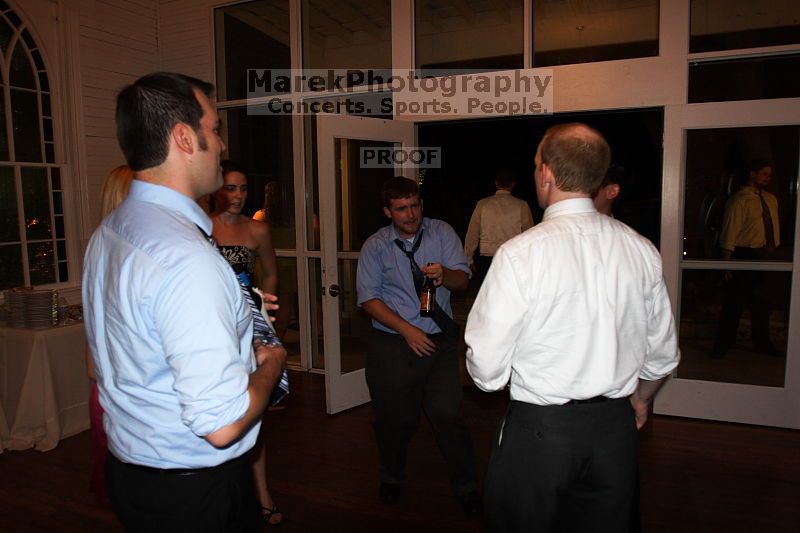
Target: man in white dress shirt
495,219
576,315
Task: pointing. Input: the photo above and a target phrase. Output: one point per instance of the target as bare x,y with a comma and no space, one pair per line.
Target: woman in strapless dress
244,241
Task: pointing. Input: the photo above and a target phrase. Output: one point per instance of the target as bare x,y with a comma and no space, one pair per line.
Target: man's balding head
577,155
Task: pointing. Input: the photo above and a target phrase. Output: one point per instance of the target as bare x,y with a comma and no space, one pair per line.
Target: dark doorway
472,151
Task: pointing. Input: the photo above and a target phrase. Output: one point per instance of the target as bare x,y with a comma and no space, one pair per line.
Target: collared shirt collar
569,207
158,194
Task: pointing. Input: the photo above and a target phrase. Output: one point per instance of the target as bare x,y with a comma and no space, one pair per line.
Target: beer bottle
427,297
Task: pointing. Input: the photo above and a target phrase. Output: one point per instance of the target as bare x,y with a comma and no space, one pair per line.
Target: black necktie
766,216
416,272
440,318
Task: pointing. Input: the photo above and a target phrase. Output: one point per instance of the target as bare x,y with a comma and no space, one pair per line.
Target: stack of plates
29,308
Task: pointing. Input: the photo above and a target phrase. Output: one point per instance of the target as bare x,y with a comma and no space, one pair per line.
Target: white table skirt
44,390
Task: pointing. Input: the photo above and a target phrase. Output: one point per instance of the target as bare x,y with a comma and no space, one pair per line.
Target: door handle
333,290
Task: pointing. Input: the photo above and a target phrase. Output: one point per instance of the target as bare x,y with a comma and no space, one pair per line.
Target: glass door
350,179
736,282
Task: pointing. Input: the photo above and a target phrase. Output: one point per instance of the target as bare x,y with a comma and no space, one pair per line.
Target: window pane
46,105
5,34
312,182
352,35
575,31
36,203
41,261
9,222
315,303
55,177
21,74
11,266
745,79
468,35
287,319
734,326
3,133
717,178
253,35
726,25
63,272
358,199
61,246
25,117
263,144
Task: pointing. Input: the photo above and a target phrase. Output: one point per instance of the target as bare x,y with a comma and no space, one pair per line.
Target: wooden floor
696,476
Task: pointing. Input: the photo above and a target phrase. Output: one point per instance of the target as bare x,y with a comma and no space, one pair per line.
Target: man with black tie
412,361
750,231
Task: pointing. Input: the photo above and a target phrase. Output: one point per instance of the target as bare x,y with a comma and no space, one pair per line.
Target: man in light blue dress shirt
412,362
171,336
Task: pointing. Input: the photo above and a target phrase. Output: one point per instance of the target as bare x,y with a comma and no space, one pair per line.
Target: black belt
177,471
596,399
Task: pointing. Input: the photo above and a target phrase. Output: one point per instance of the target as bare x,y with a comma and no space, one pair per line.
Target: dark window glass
6,32
49,152
717,162
63,271
263,144
566,32
13,18
467,36
47,129
41,261
734,326
725,25
36,202
59,221
3,133
25,120
21,74
9,222
745,79
354,35
55,178
58,208
11,266
61,246
26,36
44,85
253,35
46,105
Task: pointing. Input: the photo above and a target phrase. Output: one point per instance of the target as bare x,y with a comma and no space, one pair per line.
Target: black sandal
267,514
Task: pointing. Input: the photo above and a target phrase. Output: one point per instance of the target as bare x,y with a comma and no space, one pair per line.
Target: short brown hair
577,155
396,188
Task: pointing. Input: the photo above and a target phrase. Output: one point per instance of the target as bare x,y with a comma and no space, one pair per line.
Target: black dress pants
401,384
219,499
562,469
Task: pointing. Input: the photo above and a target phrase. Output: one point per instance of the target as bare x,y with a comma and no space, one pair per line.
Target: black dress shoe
390,492
471,503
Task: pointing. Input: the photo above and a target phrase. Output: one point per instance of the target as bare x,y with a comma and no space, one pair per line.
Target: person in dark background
612,190
496,219
750,231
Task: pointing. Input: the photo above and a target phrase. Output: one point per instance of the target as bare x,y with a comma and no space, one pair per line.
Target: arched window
33,248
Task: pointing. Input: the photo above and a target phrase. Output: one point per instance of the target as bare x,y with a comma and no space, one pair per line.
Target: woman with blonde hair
115,190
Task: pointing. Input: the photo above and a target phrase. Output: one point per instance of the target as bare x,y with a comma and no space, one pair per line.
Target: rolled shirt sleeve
494,324
663,354
196,312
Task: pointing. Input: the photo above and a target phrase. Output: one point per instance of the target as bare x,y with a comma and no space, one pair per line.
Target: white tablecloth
44,390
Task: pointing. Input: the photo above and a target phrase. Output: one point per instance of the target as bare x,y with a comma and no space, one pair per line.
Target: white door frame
731,402
343,391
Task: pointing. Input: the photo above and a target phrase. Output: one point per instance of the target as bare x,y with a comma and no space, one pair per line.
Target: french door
350,179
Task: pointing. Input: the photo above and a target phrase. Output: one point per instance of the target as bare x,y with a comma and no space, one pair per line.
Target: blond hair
115,189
